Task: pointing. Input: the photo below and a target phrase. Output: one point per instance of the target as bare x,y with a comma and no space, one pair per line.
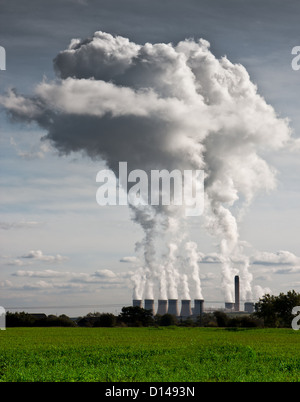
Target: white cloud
20,225
105,273
37,255
48,273
103,55
36,151
17,262
97,98
288,270
104,278
130,259
210,258
281,257
265,258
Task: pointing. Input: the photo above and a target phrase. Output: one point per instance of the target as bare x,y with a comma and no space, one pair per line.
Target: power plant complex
171,306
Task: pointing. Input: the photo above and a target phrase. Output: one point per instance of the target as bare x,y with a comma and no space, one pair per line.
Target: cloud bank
66,280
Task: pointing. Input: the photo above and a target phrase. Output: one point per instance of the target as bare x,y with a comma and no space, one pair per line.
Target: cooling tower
249,307
198,306
173,307
149,305
229,305
136,303
236,293
162,307
186,310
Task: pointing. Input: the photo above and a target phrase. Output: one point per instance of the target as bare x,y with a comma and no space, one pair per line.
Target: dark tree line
270,311
23,319
276,311
245,321
131,316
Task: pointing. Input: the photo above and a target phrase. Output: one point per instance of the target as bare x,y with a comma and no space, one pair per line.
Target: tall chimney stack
149,305
186,310
162,307
173,307
236,293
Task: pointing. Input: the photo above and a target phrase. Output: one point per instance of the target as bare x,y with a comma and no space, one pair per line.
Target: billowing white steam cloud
164,106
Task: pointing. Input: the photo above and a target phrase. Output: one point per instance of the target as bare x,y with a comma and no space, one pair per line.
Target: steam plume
163,106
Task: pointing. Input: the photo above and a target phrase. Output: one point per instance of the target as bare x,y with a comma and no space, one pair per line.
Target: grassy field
149,354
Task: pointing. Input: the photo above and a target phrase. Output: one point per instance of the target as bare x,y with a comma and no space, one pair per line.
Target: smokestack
149,305
173,307
162,307
186,310
137,303
237,293
198,306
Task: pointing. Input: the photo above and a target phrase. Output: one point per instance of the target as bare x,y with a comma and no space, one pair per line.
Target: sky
61,252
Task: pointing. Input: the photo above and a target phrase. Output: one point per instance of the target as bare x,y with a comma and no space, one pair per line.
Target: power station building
171,306
235,306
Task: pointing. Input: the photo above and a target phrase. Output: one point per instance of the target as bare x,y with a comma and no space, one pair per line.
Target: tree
222,318
276,311
21,319
54,321
105,320
167,319
136,316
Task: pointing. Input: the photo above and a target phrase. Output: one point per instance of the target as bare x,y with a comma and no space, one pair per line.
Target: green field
149,354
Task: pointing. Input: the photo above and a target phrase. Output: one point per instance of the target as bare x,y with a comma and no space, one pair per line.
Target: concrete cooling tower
186,310
137,303
249,307
198,307
229,305
173,307
149,305
162,307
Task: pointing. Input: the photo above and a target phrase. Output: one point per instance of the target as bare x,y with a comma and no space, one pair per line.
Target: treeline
132,316
129,317
276,311
220,319
270,311
23,319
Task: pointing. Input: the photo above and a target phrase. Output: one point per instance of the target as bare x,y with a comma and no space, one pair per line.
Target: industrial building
171,306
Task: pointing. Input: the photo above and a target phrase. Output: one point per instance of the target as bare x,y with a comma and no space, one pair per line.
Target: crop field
149,354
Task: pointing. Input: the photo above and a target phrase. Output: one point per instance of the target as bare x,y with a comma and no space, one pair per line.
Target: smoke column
163,106
193,257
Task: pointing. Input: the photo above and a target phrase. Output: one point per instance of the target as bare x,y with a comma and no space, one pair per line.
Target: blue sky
58,247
